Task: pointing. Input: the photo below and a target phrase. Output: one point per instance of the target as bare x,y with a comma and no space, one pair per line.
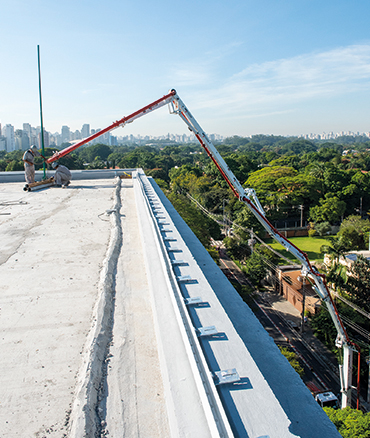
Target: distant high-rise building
58,138
26,136
76,135
97,139
8,133
27,128
18,139
25,141
2,143
34,137
85,131
46,139
66,134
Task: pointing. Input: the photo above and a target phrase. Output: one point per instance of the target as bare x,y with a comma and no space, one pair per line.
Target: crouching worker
29,165
62,176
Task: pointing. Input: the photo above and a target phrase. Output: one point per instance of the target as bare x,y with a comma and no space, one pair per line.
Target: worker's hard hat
34,147
54,164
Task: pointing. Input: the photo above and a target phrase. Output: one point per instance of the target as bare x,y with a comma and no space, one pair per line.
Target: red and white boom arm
119,123
248,197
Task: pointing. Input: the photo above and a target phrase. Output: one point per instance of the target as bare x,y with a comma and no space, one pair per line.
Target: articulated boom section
119,123
248,196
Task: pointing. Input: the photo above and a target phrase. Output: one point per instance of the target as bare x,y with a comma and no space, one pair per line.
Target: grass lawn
310,245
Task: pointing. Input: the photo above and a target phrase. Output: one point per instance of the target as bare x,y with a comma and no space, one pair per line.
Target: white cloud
190,75
201,71
286,82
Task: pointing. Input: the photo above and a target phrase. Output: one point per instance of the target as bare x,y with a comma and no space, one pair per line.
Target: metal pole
303,304
42,125
368,383
301,208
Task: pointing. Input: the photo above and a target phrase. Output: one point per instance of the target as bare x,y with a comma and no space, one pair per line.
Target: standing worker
29,165
62,176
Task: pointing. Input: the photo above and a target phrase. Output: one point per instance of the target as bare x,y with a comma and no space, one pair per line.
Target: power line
358,309
355,327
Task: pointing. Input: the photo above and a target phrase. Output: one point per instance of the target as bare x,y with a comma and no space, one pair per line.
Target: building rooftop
115,320
352,256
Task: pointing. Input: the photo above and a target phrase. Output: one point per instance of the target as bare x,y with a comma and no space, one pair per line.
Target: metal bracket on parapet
173,249
184,278
193,301
207,331
178,262
227,376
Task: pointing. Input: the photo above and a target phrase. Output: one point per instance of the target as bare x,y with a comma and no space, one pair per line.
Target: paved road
318,365
316,370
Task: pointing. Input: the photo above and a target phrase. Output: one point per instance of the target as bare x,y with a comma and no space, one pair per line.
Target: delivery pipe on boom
248,197
128,119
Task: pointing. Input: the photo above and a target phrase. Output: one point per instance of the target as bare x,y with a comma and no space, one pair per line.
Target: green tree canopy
358,282
330,210
350,423
264,180
100,151
202,226
354,232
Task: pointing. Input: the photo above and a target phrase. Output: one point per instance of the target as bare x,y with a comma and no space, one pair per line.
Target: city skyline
21,139
242,68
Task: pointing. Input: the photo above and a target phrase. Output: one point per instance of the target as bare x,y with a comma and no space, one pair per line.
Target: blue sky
283,67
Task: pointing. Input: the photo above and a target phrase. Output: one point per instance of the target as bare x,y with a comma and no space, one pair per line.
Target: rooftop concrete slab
97,337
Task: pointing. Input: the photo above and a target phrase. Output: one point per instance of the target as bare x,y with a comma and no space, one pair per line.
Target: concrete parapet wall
7,177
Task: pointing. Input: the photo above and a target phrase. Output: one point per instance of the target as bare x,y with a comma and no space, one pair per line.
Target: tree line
294,179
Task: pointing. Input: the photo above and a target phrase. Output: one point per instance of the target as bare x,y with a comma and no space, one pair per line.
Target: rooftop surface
98,335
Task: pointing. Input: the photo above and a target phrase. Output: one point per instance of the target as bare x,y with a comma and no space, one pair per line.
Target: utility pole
252,240
368,383
303,303
301,208
224,219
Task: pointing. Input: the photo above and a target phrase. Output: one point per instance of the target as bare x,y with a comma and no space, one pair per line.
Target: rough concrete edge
84,418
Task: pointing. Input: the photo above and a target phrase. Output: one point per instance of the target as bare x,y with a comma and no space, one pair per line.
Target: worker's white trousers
29,173
60,178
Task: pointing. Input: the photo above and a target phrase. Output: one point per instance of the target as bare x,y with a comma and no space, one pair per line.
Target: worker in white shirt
29,164
62,176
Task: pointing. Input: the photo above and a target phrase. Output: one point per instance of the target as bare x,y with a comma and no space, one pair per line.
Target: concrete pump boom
249,198
119,123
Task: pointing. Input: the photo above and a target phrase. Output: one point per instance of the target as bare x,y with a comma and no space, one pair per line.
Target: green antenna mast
42,125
